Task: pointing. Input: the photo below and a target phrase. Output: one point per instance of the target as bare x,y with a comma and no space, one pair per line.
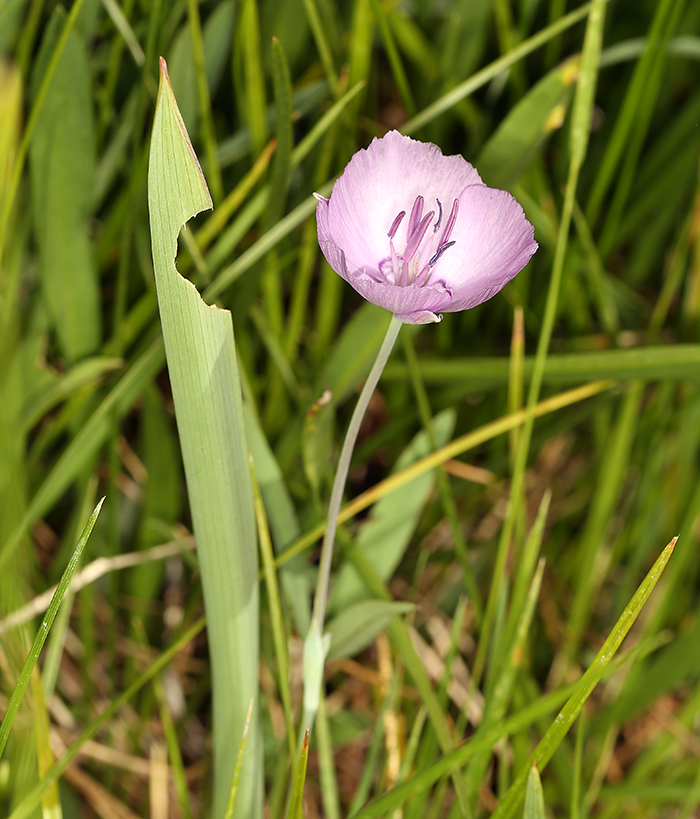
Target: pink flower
417,232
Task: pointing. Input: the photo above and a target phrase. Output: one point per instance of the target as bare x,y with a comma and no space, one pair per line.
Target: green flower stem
341,475
315,646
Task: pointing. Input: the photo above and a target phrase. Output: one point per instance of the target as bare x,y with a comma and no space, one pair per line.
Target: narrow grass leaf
296,805
401,637
566,717
255,103
174,754
273,596
33,798
392,52
534,797
673,362
233,793
322,44
51,800
201,357
296,577
44,628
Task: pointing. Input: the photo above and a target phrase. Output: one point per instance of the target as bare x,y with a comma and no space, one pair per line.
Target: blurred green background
85,406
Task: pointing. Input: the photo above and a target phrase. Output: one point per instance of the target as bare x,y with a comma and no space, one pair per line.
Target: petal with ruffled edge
493,242
412,305
381,181
334,255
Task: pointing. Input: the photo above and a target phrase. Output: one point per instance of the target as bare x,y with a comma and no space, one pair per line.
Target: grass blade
32,799
273,595
296,806
566,717
534,798
42,633
233,793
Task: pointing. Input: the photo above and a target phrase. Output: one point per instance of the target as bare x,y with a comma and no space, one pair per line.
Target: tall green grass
516,479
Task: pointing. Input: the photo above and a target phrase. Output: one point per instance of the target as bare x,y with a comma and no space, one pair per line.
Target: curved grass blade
32,799
575,695
42,633
566,717
296,806
273,595
534,798
233,793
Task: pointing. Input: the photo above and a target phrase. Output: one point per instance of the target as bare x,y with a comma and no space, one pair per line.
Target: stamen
396,264
417,236
395,224
423,276
439,219
450,223
439,253
414,218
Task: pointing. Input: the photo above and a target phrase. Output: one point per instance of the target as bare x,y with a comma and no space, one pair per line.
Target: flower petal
402,301
383,180
493,242
334,255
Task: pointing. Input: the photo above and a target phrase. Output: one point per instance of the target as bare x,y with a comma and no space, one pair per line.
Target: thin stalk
341,475
315,647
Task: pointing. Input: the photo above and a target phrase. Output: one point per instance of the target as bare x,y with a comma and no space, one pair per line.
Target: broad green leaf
385,536
201,358
510,151
534,798
356,627
62,173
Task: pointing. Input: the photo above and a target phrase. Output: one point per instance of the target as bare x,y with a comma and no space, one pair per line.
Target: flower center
407,267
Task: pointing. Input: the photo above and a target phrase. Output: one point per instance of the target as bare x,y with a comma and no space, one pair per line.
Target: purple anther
439,253
439,219
414,218
395,224
417,237
450,223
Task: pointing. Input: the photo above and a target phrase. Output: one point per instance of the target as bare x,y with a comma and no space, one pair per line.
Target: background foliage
277,95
